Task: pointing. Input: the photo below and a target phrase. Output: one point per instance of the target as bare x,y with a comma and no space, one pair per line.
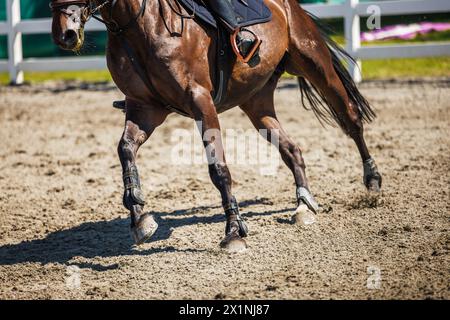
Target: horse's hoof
145,228
303,216
374,186
233,244
372,178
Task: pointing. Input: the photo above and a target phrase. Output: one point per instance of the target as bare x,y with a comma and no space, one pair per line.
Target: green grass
406,68
39,77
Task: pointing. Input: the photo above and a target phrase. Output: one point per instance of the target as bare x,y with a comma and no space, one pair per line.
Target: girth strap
223,66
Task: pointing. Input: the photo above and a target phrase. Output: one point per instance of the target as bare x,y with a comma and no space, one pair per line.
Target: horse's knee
130,143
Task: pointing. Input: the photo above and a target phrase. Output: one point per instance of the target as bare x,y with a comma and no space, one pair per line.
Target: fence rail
350,11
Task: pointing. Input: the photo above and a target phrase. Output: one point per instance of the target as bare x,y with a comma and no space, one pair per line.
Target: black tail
317,101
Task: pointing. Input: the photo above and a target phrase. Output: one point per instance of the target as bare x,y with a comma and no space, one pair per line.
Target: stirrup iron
251,52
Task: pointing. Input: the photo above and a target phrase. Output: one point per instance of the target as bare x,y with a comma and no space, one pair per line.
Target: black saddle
248,12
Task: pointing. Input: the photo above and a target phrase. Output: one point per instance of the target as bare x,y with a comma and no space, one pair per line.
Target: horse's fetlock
133,200
133,194
305,196
371,172
235,222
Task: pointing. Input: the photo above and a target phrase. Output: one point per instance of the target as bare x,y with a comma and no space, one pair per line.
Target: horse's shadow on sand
111,238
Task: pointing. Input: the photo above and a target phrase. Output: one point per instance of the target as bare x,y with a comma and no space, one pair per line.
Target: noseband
90,10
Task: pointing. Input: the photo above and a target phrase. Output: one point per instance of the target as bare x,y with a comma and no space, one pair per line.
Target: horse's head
69,17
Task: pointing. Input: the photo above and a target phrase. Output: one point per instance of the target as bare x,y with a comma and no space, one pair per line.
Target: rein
111,25
178,12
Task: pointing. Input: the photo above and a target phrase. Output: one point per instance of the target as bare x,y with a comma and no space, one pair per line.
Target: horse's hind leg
140,124
260,110
310,57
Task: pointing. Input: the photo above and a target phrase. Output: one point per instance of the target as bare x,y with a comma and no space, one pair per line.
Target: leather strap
223,67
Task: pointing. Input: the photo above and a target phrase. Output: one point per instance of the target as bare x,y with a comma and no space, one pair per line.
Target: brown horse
177,70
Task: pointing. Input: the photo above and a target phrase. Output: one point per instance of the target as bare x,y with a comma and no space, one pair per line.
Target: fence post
15,55
352,37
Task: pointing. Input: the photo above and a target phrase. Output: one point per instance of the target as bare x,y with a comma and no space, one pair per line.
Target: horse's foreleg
140,124
260,109
208,124
309,57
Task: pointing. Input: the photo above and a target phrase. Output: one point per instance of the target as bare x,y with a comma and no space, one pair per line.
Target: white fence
351,11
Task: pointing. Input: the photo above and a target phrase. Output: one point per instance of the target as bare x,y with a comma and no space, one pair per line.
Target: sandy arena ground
60,204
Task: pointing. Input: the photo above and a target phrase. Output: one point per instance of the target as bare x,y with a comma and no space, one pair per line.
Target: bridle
90,10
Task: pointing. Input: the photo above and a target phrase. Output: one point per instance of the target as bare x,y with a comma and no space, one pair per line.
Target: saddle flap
248,12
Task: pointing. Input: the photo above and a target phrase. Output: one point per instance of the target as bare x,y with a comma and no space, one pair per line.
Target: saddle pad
248,12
